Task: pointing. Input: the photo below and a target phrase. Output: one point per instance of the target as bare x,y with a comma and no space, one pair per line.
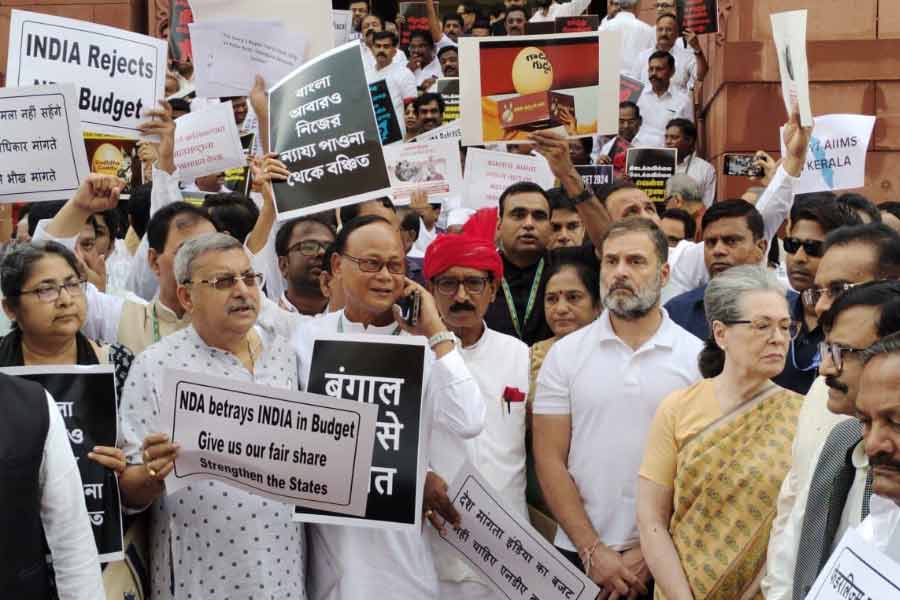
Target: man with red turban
463,272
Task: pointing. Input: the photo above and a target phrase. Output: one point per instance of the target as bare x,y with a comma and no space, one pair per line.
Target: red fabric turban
461,250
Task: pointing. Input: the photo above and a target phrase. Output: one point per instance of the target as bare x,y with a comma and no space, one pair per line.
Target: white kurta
497,361
350,563
211,540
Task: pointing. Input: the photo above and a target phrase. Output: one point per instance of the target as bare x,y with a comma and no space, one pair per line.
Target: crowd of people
710,385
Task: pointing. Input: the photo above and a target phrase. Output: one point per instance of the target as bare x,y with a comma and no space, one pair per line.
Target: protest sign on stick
322,125
503,546
207,142
386,371
42,154
836,158
789,33
488,173
857,570
432,167
119,74
86,397
287,445
650,169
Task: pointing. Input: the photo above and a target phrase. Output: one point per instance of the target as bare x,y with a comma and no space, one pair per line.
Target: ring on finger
428,513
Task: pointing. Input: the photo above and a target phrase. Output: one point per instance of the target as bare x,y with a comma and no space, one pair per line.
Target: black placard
448,88
385,114
595,175
380,360
650,169
322,125
700,16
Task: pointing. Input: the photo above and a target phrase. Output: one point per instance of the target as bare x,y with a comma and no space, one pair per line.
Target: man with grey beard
596,394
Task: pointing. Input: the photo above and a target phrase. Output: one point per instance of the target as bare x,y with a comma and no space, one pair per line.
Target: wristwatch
582,197
440,337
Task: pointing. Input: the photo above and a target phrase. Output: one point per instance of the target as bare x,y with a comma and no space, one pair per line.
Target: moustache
835,383
241,306
620,286
461,306
381,55
884,460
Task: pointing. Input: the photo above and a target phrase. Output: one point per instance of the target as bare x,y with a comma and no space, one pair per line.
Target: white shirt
658,110
703,173
496,361
573,8
209,527
400,58
612,393
443,43
399,563
882,527
685,76
432,69
814,423
64,516
686,259
423,240
637,36
852,513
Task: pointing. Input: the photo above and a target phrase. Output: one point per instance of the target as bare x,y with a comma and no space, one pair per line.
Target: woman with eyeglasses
43,294
718,451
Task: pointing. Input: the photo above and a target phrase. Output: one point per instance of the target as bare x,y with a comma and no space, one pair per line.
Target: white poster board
450,131
207,142
489,173
433,167
789,33
856,570
119,74
42,153
836,158
294,447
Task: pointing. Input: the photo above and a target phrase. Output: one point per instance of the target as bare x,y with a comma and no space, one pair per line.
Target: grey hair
628,4
191,250
685,186
722,302
889,344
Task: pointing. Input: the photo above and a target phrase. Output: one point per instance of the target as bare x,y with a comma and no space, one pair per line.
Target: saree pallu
726,487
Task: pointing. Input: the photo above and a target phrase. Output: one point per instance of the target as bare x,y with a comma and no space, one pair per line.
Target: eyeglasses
836,352
812,248
308,247
811,296
448,286
49,292
227,282
790,329
374,265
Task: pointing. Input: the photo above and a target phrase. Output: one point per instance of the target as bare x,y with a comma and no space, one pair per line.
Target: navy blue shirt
801,367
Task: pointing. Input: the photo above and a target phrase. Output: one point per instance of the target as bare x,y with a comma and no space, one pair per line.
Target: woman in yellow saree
718,451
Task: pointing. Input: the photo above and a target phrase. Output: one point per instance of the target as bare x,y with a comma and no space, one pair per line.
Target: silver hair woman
701,483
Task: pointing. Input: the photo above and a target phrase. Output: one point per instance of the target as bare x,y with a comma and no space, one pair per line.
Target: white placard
304,449
789,33
120,74
242,50
343,26
433,167
311,18
856,570
489,173
42,154
203,39
450,131
207,142
836,158
504,547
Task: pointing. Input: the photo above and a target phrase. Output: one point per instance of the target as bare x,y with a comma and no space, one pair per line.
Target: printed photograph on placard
539,85
111,155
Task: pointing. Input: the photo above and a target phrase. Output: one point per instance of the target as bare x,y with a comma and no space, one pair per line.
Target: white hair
191,250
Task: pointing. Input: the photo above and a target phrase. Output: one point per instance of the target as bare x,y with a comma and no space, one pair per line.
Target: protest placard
450,131
386,371
343,26
857,570
116,156
207,142
244,49
789,33
291,446
836,158
312,18
119,74
180,16
629,89
700,16
503,546
650,169
519,84
322,124
577,24
595,175
448,88
42,156
488,173
432,167
86,398
389,128
540,27
415,17
203,40
238,179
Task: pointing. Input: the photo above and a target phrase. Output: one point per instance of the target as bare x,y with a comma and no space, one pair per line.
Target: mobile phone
742,165
409,308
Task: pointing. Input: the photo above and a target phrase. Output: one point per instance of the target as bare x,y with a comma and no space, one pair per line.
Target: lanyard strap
532,296
155,322
341,326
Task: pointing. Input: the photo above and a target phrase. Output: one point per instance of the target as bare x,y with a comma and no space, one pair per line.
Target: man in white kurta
350,563
464,272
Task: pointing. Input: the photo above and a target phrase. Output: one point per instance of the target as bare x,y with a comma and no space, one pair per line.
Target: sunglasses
812,248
